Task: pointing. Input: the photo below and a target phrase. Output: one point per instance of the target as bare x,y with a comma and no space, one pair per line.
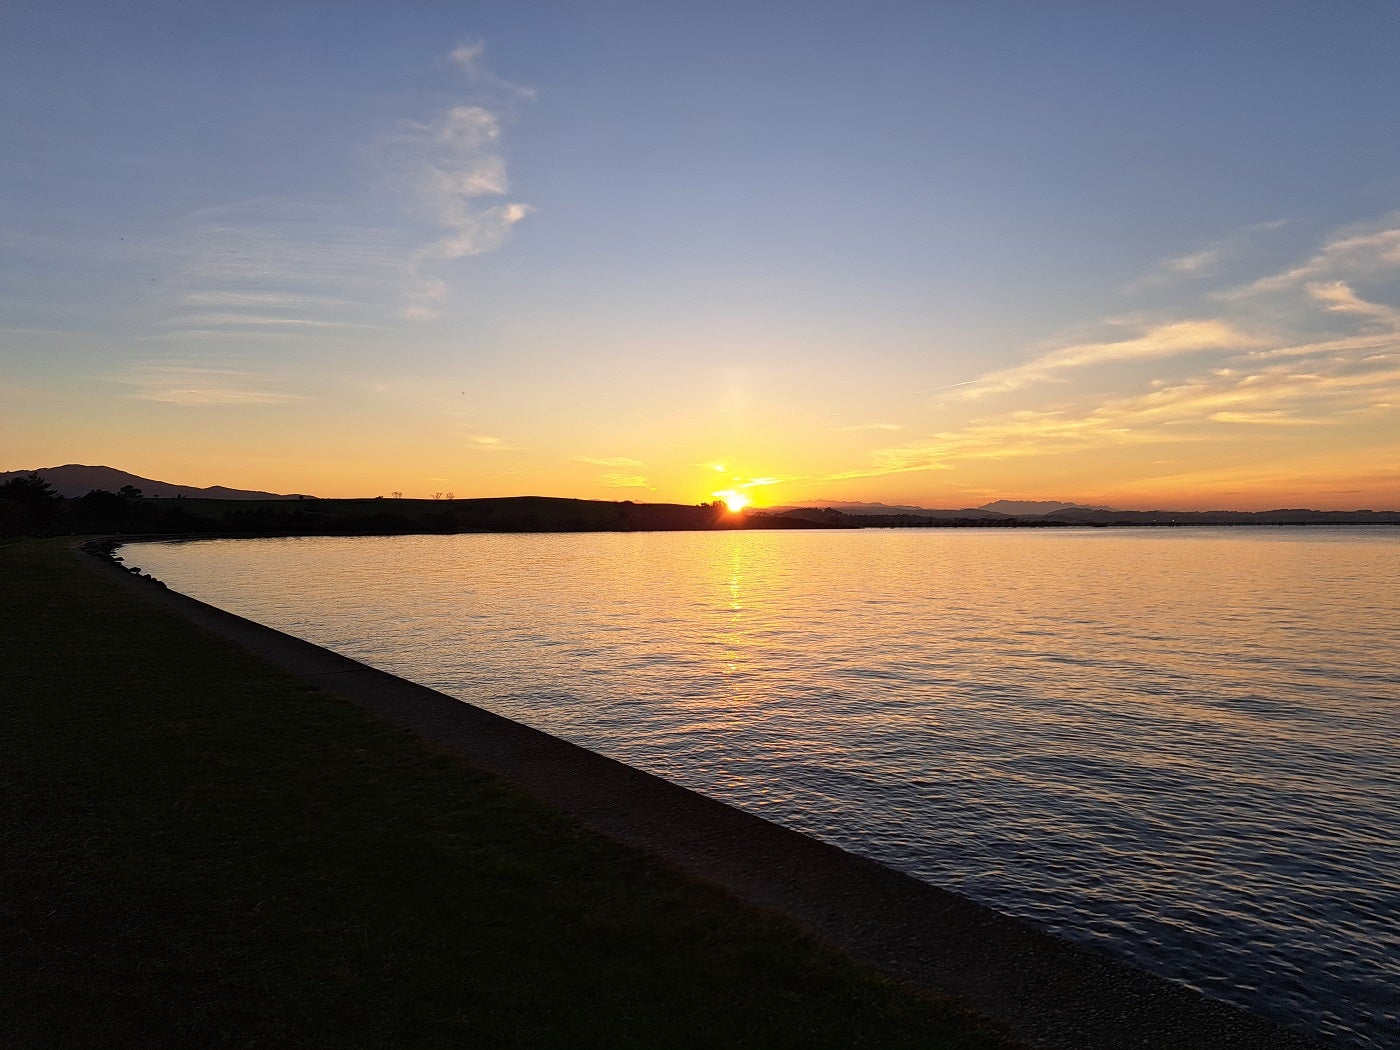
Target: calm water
1180,745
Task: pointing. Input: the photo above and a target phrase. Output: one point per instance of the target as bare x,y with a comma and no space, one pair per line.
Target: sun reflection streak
734,637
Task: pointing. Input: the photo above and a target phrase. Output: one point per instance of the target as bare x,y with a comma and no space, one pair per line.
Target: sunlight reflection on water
1177,744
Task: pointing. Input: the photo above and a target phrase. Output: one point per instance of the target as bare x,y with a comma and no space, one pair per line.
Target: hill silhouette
75,479
79,499
30,506
995,509
857,509
1018,508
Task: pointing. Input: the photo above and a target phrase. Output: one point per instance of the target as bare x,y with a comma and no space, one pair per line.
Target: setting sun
735,501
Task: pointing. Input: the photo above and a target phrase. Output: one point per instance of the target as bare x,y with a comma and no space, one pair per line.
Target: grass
199,850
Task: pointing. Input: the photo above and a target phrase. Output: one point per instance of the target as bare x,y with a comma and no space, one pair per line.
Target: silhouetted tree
28,489
33,505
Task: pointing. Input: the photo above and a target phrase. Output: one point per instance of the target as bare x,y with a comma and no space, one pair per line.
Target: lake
1179,745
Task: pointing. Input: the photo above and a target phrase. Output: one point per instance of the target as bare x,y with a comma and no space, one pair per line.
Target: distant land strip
1044,990
31,506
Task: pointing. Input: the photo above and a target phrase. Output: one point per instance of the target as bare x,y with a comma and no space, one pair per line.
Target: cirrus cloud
186,385
611,461
1301,349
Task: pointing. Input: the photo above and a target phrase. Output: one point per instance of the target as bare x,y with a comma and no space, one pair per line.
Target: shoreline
1043,989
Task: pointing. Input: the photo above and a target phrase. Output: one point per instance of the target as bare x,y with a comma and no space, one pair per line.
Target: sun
734,500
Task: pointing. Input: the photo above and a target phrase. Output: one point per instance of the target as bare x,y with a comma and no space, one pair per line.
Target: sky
1138,255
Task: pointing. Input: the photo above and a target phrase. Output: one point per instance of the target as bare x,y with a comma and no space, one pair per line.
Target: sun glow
734,500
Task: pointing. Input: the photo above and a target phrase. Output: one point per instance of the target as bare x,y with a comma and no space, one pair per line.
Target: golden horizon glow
1206,411
734,500
442,289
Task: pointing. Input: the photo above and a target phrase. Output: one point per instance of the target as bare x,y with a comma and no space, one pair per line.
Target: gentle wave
1176,744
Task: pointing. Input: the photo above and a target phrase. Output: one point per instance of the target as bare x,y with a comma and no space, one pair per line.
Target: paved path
1044,990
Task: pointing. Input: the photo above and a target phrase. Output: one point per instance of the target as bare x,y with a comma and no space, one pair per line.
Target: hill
996,509
1022,508
74,479
884,510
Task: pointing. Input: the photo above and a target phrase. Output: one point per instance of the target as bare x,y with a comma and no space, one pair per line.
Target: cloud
446,166
487,443
174,383
1362,251
451,167
624,481
1339,297
262,300
1274,418
285,262
469,58
738,487
614,461
247,320
1196,262
423,302
1207,260
1165,340
1298,349
869,426
272,269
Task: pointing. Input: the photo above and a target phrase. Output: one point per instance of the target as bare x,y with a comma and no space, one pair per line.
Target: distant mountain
72,480
1298,516
1018,508
846,507
998,508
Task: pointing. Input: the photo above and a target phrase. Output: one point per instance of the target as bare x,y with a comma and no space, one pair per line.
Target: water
1179,745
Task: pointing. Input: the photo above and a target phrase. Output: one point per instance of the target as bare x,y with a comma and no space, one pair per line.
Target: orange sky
495,252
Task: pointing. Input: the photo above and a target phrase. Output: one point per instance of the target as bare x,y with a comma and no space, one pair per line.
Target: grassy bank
201,851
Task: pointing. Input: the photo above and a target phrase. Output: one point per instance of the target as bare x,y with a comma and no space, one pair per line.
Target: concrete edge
1044,990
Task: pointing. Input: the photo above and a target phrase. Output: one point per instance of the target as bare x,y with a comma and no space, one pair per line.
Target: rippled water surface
1180,745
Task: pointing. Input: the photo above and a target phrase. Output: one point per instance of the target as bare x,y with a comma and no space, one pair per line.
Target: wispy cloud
1298,349
624,481
1162,341
1208,260
279,300
487,443
250,320
743,486
272,269
1197,262
174,383
1360,251
451,166
469,57
869,426
612,461
297,266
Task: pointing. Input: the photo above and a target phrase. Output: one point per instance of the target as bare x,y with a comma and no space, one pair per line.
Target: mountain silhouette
74,479
1044,506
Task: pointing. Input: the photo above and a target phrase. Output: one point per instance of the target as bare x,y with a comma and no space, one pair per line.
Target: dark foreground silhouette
31,506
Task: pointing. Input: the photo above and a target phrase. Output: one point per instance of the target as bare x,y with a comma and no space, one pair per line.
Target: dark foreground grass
201,851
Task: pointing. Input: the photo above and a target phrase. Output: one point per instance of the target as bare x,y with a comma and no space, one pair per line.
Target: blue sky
931,253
